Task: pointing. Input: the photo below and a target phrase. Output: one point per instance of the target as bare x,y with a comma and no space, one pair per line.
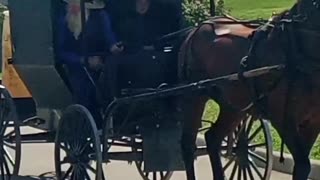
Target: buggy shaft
198,85
182,89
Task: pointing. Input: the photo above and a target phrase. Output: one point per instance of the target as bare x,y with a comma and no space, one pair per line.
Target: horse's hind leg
226,123
192,109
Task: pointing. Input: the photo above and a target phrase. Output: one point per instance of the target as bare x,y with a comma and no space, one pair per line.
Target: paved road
37,160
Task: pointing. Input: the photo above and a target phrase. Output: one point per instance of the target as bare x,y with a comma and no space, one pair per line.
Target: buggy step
124,156
33,121
43,137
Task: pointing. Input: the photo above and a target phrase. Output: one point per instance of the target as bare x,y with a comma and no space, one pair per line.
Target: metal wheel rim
250,171
79,167
10,138
163,175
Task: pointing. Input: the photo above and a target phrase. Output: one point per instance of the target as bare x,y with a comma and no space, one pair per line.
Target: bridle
316,4
286,24
314,7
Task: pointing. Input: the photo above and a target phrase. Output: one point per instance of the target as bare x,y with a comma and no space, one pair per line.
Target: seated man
99,41
139,24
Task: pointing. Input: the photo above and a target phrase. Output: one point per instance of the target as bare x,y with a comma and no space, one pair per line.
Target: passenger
138,24
99,39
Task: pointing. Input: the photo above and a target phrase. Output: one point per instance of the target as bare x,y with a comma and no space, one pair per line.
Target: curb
285,167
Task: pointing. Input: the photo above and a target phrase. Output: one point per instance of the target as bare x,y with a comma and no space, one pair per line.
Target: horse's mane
277,18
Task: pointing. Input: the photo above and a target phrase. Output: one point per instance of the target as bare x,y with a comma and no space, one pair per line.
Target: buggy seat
144,71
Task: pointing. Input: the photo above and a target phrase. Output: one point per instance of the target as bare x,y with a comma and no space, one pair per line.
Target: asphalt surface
38,163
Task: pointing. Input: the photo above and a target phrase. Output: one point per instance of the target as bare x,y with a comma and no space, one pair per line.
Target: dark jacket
137,30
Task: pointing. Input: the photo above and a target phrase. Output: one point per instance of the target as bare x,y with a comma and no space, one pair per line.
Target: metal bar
43,137
212,8
124,156
204,84
33,121
137,146
256,22
170,35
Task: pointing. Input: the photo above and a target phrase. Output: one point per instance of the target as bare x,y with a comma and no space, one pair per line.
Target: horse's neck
307,33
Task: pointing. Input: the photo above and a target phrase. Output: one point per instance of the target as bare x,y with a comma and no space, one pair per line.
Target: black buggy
138,126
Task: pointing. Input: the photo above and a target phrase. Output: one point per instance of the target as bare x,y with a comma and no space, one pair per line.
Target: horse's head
301,24
310,9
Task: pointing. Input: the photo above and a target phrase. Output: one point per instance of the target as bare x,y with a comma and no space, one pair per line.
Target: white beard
74,23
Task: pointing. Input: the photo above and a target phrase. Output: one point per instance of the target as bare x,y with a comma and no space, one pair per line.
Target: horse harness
293,60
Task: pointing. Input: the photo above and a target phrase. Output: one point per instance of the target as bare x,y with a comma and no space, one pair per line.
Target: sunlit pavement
38,161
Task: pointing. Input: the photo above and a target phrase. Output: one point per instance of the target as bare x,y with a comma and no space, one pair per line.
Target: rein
187,30
297,62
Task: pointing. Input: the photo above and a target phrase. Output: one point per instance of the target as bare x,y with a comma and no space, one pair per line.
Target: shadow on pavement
45,176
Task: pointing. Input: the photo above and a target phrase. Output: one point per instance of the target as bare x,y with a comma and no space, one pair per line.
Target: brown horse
290,98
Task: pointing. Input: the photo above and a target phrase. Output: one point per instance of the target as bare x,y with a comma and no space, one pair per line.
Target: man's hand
116,48
95,63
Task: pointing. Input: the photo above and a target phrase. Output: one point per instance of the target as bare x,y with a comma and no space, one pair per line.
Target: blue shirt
98,34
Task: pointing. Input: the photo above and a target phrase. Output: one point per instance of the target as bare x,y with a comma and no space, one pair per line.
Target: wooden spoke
10,141
78,146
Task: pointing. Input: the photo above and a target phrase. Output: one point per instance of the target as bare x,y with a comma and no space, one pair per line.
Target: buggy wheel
158,175
10,142
77,146
248,151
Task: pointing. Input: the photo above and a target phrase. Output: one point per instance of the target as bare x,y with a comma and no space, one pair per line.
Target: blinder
316,4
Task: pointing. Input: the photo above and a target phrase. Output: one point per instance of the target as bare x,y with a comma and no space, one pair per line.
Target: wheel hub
77,158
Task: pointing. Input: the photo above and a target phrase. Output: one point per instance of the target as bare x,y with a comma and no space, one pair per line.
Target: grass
252,9
211,113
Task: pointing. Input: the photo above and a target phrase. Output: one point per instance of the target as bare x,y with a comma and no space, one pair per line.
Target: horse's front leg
191,110
299,147
188,149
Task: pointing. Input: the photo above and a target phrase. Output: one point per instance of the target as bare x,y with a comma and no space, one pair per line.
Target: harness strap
293,58
249,62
